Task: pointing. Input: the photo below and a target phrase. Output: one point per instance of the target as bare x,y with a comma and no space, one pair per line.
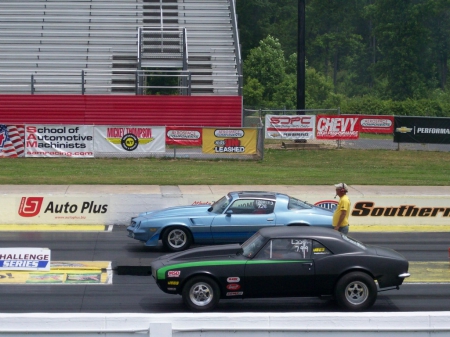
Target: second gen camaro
283,262
232,219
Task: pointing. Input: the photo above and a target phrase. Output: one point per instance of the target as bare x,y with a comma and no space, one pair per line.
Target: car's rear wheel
176,239
201,293
356,291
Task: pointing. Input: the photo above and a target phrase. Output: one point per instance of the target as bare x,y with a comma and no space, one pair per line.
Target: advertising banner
129,139
37,259
425,130
374,123
233,141
59,141
61,210
183,136
12,139
337,127
290,126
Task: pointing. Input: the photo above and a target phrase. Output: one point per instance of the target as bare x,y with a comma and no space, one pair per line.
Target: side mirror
229,212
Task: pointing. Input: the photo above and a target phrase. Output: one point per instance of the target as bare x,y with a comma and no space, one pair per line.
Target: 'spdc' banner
290,127
233,141
427,130
129,139
59,141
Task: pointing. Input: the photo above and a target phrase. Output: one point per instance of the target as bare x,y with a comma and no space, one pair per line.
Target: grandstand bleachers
61,38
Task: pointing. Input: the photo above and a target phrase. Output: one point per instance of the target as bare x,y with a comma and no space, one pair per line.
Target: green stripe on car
161,272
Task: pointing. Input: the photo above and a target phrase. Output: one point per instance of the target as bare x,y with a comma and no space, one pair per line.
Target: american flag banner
12,139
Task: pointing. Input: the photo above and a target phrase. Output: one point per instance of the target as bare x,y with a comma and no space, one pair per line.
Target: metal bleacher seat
61,38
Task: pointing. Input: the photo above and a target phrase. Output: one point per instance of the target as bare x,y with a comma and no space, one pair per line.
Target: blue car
232,219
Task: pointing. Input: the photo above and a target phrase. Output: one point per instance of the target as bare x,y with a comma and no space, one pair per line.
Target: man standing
342,212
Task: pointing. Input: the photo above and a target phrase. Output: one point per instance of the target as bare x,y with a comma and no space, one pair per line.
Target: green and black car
283,262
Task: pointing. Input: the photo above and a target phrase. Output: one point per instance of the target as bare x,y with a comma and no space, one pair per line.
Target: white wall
229,324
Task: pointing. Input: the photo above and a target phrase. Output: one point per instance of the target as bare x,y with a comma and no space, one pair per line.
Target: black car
283,262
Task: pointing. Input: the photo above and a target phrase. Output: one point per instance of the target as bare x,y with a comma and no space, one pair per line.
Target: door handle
269,219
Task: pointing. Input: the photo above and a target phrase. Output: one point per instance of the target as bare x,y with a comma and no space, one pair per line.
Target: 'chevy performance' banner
233,141
59,141
290,126
129,139
427,130
337,127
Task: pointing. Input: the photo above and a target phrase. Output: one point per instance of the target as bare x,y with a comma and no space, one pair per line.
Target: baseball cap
342,185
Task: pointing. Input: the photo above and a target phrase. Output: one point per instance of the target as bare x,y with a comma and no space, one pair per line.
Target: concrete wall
235,324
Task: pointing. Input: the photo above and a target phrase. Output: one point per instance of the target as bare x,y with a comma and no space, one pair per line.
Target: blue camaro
232,219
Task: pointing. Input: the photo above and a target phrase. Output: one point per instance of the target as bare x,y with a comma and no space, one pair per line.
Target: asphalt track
108,272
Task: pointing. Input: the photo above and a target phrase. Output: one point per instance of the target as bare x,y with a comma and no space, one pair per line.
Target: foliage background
365,56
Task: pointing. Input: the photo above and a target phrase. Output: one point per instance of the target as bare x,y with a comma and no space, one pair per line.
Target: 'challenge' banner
427,130
25,259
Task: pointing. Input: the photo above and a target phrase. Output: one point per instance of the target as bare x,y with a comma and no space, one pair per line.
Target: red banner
182,135
375,123
349,126
337,127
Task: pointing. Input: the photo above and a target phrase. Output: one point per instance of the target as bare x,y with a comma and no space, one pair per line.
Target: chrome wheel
201,294
176,239
356,293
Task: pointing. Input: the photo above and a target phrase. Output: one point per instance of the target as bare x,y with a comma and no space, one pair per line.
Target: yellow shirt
343,205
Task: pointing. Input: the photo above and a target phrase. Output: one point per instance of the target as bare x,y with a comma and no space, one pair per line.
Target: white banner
59,141
130,139
290,126
61,210
25,259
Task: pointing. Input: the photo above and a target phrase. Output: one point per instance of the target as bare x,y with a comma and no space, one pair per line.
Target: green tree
266,64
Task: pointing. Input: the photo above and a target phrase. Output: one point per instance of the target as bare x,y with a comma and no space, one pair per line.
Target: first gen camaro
282,262
232,219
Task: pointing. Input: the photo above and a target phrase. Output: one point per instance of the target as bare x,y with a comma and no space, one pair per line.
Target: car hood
177,211
204,253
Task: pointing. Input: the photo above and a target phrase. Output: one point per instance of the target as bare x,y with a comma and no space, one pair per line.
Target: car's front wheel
176,239
356,291
201,293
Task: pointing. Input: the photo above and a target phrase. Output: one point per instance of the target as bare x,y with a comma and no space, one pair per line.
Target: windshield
353,241
219,206
297,204
253,245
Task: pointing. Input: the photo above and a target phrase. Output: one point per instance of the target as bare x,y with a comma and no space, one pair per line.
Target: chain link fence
366,141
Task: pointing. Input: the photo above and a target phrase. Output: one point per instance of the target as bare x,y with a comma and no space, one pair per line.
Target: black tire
356,291
201,293
176,239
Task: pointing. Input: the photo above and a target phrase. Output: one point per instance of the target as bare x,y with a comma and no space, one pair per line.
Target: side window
286,249
253,206
318,249
243,206
262,206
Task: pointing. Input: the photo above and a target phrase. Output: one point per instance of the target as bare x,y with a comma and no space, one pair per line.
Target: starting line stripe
428,272
55,228
63,272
